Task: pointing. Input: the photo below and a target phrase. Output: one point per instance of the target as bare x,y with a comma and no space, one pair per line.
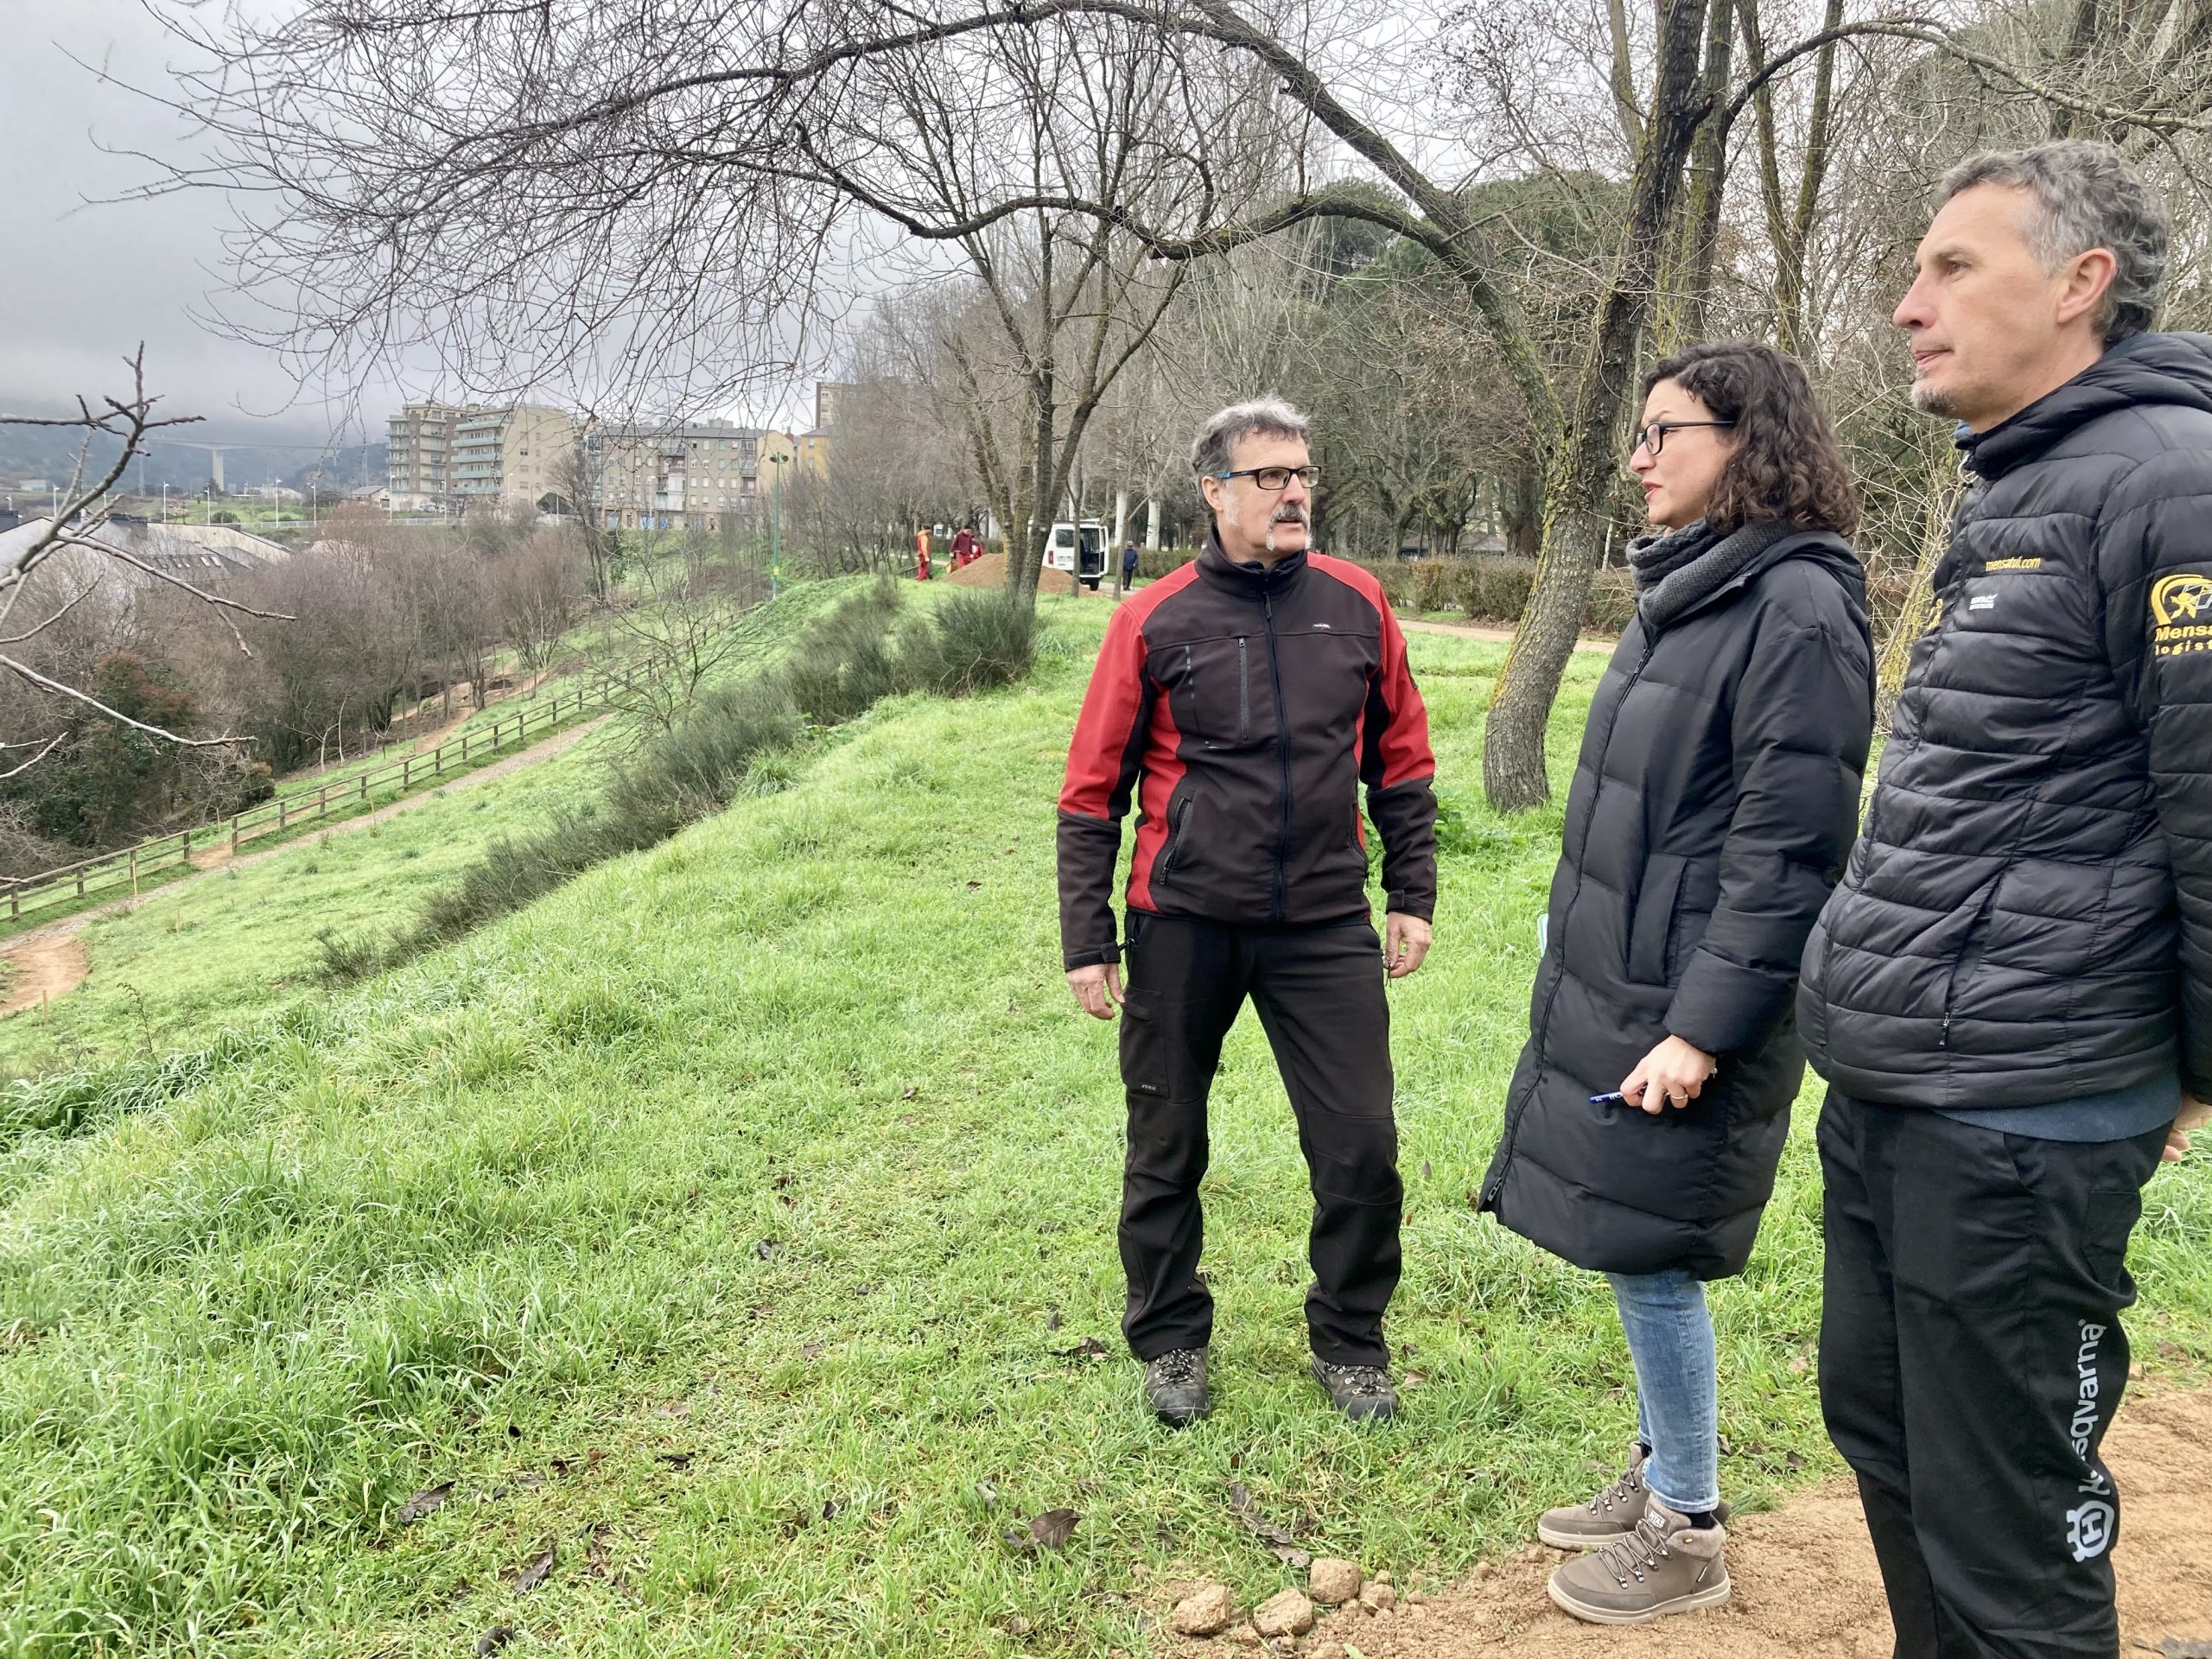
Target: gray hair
1273,417
2086,196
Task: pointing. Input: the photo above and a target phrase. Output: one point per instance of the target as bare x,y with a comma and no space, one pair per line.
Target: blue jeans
1677,1391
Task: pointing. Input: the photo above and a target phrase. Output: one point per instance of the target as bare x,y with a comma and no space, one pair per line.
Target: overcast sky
81,285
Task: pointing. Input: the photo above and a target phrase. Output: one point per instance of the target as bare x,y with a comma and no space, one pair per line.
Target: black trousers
1971,1359
1320,991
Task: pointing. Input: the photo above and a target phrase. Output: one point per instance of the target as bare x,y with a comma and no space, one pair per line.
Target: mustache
1291,514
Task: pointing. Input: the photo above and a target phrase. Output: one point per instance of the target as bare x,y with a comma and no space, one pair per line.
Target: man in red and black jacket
1240,704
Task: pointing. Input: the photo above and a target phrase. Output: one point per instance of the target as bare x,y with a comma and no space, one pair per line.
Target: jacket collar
1251,580
1824,547
2168,368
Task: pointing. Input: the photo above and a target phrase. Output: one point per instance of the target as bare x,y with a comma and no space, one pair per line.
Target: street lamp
776,526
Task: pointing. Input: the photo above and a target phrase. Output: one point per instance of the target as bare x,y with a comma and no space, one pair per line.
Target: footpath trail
47,962
1805,1580
1495,636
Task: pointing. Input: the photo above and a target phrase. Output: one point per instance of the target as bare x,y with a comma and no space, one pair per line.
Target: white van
1079,550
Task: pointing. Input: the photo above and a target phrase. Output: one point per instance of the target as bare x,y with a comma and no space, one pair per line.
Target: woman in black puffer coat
1714,803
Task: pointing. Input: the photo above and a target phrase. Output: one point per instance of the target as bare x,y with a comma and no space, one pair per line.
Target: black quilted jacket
2027,916
1711,812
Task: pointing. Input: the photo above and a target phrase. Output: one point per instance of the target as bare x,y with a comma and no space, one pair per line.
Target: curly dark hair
1787,466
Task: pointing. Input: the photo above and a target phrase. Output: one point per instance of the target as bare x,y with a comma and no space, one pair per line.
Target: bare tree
675,623
663,183
85,509
534,589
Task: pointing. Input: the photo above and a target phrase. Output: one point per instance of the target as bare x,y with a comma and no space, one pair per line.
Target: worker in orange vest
922,553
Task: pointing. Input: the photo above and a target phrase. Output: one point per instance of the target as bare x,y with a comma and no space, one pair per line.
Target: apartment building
449,457
418,456
512,457
700,476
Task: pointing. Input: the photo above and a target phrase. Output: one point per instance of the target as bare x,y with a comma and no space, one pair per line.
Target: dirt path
1495,636
1805,1578
48,961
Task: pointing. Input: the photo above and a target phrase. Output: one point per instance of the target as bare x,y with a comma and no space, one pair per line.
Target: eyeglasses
1275,479
1653,436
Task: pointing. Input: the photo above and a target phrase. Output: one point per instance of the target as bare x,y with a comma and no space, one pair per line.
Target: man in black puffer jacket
2011,992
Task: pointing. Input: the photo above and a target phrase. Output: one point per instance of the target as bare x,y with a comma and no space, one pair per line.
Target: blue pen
1606,1100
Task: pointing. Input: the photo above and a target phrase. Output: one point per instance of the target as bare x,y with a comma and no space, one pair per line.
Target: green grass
724,1221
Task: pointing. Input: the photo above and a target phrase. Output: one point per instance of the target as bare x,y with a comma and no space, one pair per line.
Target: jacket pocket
1179,826
1654,918
1971,947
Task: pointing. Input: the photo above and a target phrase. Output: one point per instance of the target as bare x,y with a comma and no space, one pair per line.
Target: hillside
736,1226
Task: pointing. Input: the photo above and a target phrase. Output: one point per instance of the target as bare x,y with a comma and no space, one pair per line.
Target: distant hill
47,453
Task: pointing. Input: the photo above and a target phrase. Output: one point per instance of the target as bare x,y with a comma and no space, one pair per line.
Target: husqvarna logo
2088,1529
2181,614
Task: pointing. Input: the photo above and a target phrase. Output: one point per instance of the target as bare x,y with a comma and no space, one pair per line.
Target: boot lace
1176,1368
1627,1490
1368,1382
1630,1557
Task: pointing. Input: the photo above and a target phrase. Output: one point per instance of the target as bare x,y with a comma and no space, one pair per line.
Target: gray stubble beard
1929,401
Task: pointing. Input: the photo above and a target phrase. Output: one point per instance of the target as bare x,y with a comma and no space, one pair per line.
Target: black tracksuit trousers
1320,991
1971,1359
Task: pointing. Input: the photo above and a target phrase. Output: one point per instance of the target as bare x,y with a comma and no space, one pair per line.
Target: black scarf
1676,572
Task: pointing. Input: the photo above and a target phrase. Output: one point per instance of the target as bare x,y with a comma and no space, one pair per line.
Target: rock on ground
1333,1582
1205,1612
1287,1614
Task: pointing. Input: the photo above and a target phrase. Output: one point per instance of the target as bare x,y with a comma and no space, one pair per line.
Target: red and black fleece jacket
1241,707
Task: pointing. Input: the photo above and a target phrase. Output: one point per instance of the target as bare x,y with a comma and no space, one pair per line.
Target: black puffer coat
2029,915
1710,815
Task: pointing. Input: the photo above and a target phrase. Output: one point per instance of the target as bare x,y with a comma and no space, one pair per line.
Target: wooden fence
26,895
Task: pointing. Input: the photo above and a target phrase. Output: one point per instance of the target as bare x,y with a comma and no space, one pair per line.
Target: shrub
976,640
1153,563
347,957
1500,587
1441,584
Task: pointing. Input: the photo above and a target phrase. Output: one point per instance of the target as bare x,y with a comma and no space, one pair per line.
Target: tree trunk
1689,293
1583,466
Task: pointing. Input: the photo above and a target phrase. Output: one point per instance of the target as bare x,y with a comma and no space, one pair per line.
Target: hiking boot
1665,1565
1612,1514
1363,1393
1175,1386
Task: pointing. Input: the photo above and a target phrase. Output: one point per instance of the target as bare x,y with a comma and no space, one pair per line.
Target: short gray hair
1273,417
2086,196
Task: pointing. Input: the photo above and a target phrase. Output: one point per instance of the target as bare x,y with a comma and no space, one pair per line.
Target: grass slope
724,1223
184,962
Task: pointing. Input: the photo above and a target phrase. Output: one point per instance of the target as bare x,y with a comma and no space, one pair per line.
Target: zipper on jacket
1282,753
1244,694
1959,962
1514,1113
1174,844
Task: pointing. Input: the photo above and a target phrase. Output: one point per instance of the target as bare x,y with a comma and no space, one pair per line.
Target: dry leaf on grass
534,1574
1050,1530
1280,1543
423,1502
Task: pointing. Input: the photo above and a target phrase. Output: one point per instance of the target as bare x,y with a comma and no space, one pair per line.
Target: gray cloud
83,284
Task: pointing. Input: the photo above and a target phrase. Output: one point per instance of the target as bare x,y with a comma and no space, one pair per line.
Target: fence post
282,807
80,884
365,785
235,816
322,800
406,771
